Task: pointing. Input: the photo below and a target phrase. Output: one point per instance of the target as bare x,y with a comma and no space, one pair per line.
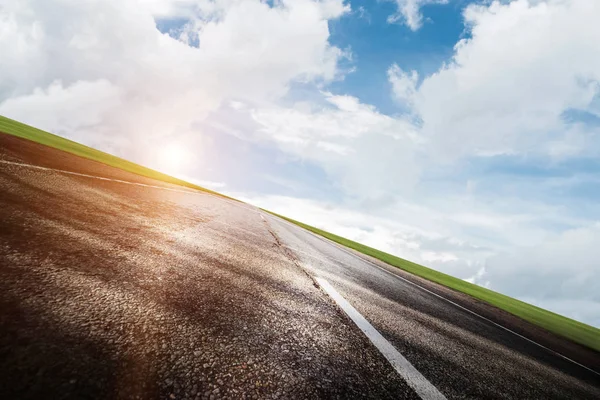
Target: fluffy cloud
557,273
409,12
173,8
569,258
83,104
509,84
364,151
246,50
404,85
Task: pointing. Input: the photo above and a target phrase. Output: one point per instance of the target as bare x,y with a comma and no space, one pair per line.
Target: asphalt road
112,289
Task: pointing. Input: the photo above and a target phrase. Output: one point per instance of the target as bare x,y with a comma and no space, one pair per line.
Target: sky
462,135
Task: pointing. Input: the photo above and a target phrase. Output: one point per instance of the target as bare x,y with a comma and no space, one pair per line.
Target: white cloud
506,91
335,148
172,8
365,151
247,50
82,104
409,12
560,270
508,84
404,85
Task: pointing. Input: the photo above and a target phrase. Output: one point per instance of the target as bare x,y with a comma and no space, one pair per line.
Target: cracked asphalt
119,291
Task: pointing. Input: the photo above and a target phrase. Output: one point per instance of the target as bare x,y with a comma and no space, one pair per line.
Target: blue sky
463,135
377,44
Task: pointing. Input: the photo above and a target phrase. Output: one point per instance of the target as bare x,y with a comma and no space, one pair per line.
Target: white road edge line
98,177
415,380
447,300
189,191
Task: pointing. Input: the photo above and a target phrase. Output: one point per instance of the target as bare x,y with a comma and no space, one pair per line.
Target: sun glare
173,158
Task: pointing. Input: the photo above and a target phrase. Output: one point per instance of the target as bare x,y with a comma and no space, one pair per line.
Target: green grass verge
563,326
21,130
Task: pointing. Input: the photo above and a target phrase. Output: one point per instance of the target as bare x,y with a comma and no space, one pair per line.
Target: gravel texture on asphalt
118,291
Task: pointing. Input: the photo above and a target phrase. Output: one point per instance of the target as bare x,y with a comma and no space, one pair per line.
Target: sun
173,157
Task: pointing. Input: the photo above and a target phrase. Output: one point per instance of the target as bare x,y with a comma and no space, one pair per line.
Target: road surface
118,286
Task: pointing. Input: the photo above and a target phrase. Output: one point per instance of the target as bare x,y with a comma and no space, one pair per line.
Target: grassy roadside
24,131
566,327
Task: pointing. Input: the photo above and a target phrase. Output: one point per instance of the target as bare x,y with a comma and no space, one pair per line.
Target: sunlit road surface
112,289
